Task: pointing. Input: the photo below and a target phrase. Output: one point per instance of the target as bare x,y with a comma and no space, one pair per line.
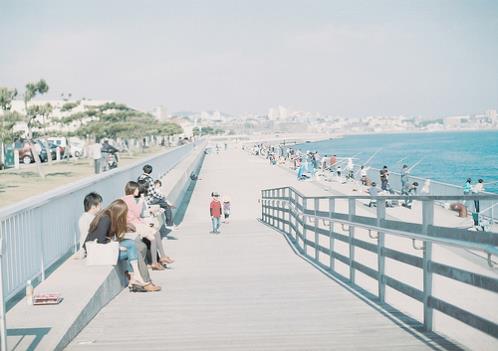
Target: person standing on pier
384,178
404,176
364,175
350,169
409,190
215,211
476,189
467,187
333,161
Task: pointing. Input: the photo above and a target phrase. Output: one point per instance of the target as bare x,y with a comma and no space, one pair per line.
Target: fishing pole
371,157
496,181
400,160
416,164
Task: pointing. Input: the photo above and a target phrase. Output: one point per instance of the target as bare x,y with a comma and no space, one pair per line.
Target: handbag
102,254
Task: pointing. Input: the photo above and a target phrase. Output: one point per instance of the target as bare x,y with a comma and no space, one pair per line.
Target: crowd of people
137,221
311,164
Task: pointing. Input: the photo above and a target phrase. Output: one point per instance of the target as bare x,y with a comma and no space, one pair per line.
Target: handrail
396,197
489,249
288,211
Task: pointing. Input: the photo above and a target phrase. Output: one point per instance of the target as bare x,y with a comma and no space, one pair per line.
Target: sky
343,58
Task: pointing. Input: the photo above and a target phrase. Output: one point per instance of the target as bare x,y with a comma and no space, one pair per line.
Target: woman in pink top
135,208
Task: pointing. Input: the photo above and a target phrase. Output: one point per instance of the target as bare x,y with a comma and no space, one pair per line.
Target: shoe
136,288
167,259
150,287
157,267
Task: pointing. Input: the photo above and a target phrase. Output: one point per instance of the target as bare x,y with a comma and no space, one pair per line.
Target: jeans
216,224
383,183
142,266
131,253
476,205
96,163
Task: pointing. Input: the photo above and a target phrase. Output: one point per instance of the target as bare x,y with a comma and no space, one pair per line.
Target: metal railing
316,228
39,232
489,208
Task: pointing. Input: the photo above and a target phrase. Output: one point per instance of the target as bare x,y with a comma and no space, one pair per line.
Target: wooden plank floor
244,289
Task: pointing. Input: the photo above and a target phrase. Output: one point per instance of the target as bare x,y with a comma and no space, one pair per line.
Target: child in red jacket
215,212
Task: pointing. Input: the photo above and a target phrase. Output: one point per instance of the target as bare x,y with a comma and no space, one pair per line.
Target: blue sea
449,157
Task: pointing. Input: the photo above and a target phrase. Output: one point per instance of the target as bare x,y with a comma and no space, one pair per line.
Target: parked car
60,142
53,150
26,154
77,147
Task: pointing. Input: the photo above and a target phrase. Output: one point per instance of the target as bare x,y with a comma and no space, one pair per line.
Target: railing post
42,249
262,205
351,213
305,206
316,206
381,261
427,220
273,207
3,310
331,233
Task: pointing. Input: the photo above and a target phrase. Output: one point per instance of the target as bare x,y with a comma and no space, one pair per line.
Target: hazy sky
350,58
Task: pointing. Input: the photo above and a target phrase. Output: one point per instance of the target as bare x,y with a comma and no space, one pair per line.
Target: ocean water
449,157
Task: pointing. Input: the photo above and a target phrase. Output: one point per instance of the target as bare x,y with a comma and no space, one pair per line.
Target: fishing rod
496,181
371,157
400,160
416,164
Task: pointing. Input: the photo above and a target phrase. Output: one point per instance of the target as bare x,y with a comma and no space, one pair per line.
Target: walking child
215,211
226,209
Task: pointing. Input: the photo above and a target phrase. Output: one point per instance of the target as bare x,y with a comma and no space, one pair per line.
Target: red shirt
215,208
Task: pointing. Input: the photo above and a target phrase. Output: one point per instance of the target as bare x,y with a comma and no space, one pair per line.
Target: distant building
455,122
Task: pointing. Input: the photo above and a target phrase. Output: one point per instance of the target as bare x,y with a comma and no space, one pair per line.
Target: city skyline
337,58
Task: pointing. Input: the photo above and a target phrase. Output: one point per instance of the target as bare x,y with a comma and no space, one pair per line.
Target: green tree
33,89
113,121
6,97
8,119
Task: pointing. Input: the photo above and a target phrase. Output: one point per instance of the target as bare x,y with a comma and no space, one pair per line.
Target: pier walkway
245,288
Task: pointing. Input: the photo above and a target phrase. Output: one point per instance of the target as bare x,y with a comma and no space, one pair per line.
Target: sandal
157,267
137,288
150,287
166,259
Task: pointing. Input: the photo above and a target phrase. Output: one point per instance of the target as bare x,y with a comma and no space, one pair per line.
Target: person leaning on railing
111,224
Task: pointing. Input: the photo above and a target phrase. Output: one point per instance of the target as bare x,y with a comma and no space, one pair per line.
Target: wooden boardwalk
244,289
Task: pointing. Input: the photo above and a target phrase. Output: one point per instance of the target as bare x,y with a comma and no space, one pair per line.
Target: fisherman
384,178
350,169
476,189
373,191
409,190
363,174
404,176
323,162
333,161
467,188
